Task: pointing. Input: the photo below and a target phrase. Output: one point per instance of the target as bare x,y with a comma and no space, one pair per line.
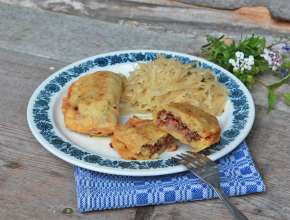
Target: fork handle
236,213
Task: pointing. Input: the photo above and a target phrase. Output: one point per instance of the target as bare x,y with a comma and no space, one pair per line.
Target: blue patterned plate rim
39,114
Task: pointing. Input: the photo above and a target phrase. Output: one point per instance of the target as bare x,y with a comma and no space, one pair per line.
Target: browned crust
86,99
128,139
205,124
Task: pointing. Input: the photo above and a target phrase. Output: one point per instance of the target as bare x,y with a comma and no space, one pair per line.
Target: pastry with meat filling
188,124
141,140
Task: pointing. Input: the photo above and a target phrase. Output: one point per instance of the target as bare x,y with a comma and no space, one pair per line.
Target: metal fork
207,170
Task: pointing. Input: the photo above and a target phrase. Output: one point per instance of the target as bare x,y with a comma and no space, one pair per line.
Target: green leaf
220,53
272,99
286,63
287,98
253,45
280,82
211,40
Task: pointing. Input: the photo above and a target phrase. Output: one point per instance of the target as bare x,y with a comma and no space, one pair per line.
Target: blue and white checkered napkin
97,191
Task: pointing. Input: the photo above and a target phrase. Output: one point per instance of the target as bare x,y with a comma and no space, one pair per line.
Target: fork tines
193,160
207,171
200,165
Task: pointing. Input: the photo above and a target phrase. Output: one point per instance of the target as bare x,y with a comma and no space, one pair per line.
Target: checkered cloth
98,191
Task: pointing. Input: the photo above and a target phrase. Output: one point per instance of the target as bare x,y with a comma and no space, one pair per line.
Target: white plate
45,118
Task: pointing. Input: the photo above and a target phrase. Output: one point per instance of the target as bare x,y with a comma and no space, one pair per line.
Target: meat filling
160,145
172,122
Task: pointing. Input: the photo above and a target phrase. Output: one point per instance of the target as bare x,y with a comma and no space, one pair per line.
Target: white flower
266,56
232,61
240,55
241,63
234,64
249,62
273,58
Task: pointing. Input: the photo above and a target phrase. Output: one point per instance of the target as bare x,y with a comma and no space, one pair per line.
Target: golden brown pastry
92,103
141,140
188,124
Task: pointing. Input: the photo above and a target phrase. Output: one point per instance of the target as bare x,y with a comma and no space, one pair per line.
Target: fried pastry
188,124
92,103
141,140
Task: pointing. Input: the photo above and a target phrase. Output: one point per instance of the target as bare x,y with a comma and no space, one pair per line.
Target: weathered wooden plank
36,185
70,38
63,38
158,13
279,9
25,166
259,92
269,144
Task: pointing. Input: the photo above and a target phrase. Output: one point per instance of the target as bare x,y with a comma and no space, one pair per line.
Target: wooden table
34,43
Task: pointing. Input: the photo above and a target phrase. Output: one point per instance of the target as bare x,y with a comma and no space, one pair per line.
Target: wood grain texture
62,37
279,9
36,185
158,13
269,144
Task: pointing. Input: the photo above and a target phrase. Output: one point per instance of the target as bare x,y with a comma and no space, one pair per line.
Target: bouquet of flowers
251,57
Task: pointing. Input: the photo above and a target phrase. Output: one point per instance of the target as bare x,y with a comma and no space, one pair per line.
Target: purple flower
274,58
286,47
283,72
